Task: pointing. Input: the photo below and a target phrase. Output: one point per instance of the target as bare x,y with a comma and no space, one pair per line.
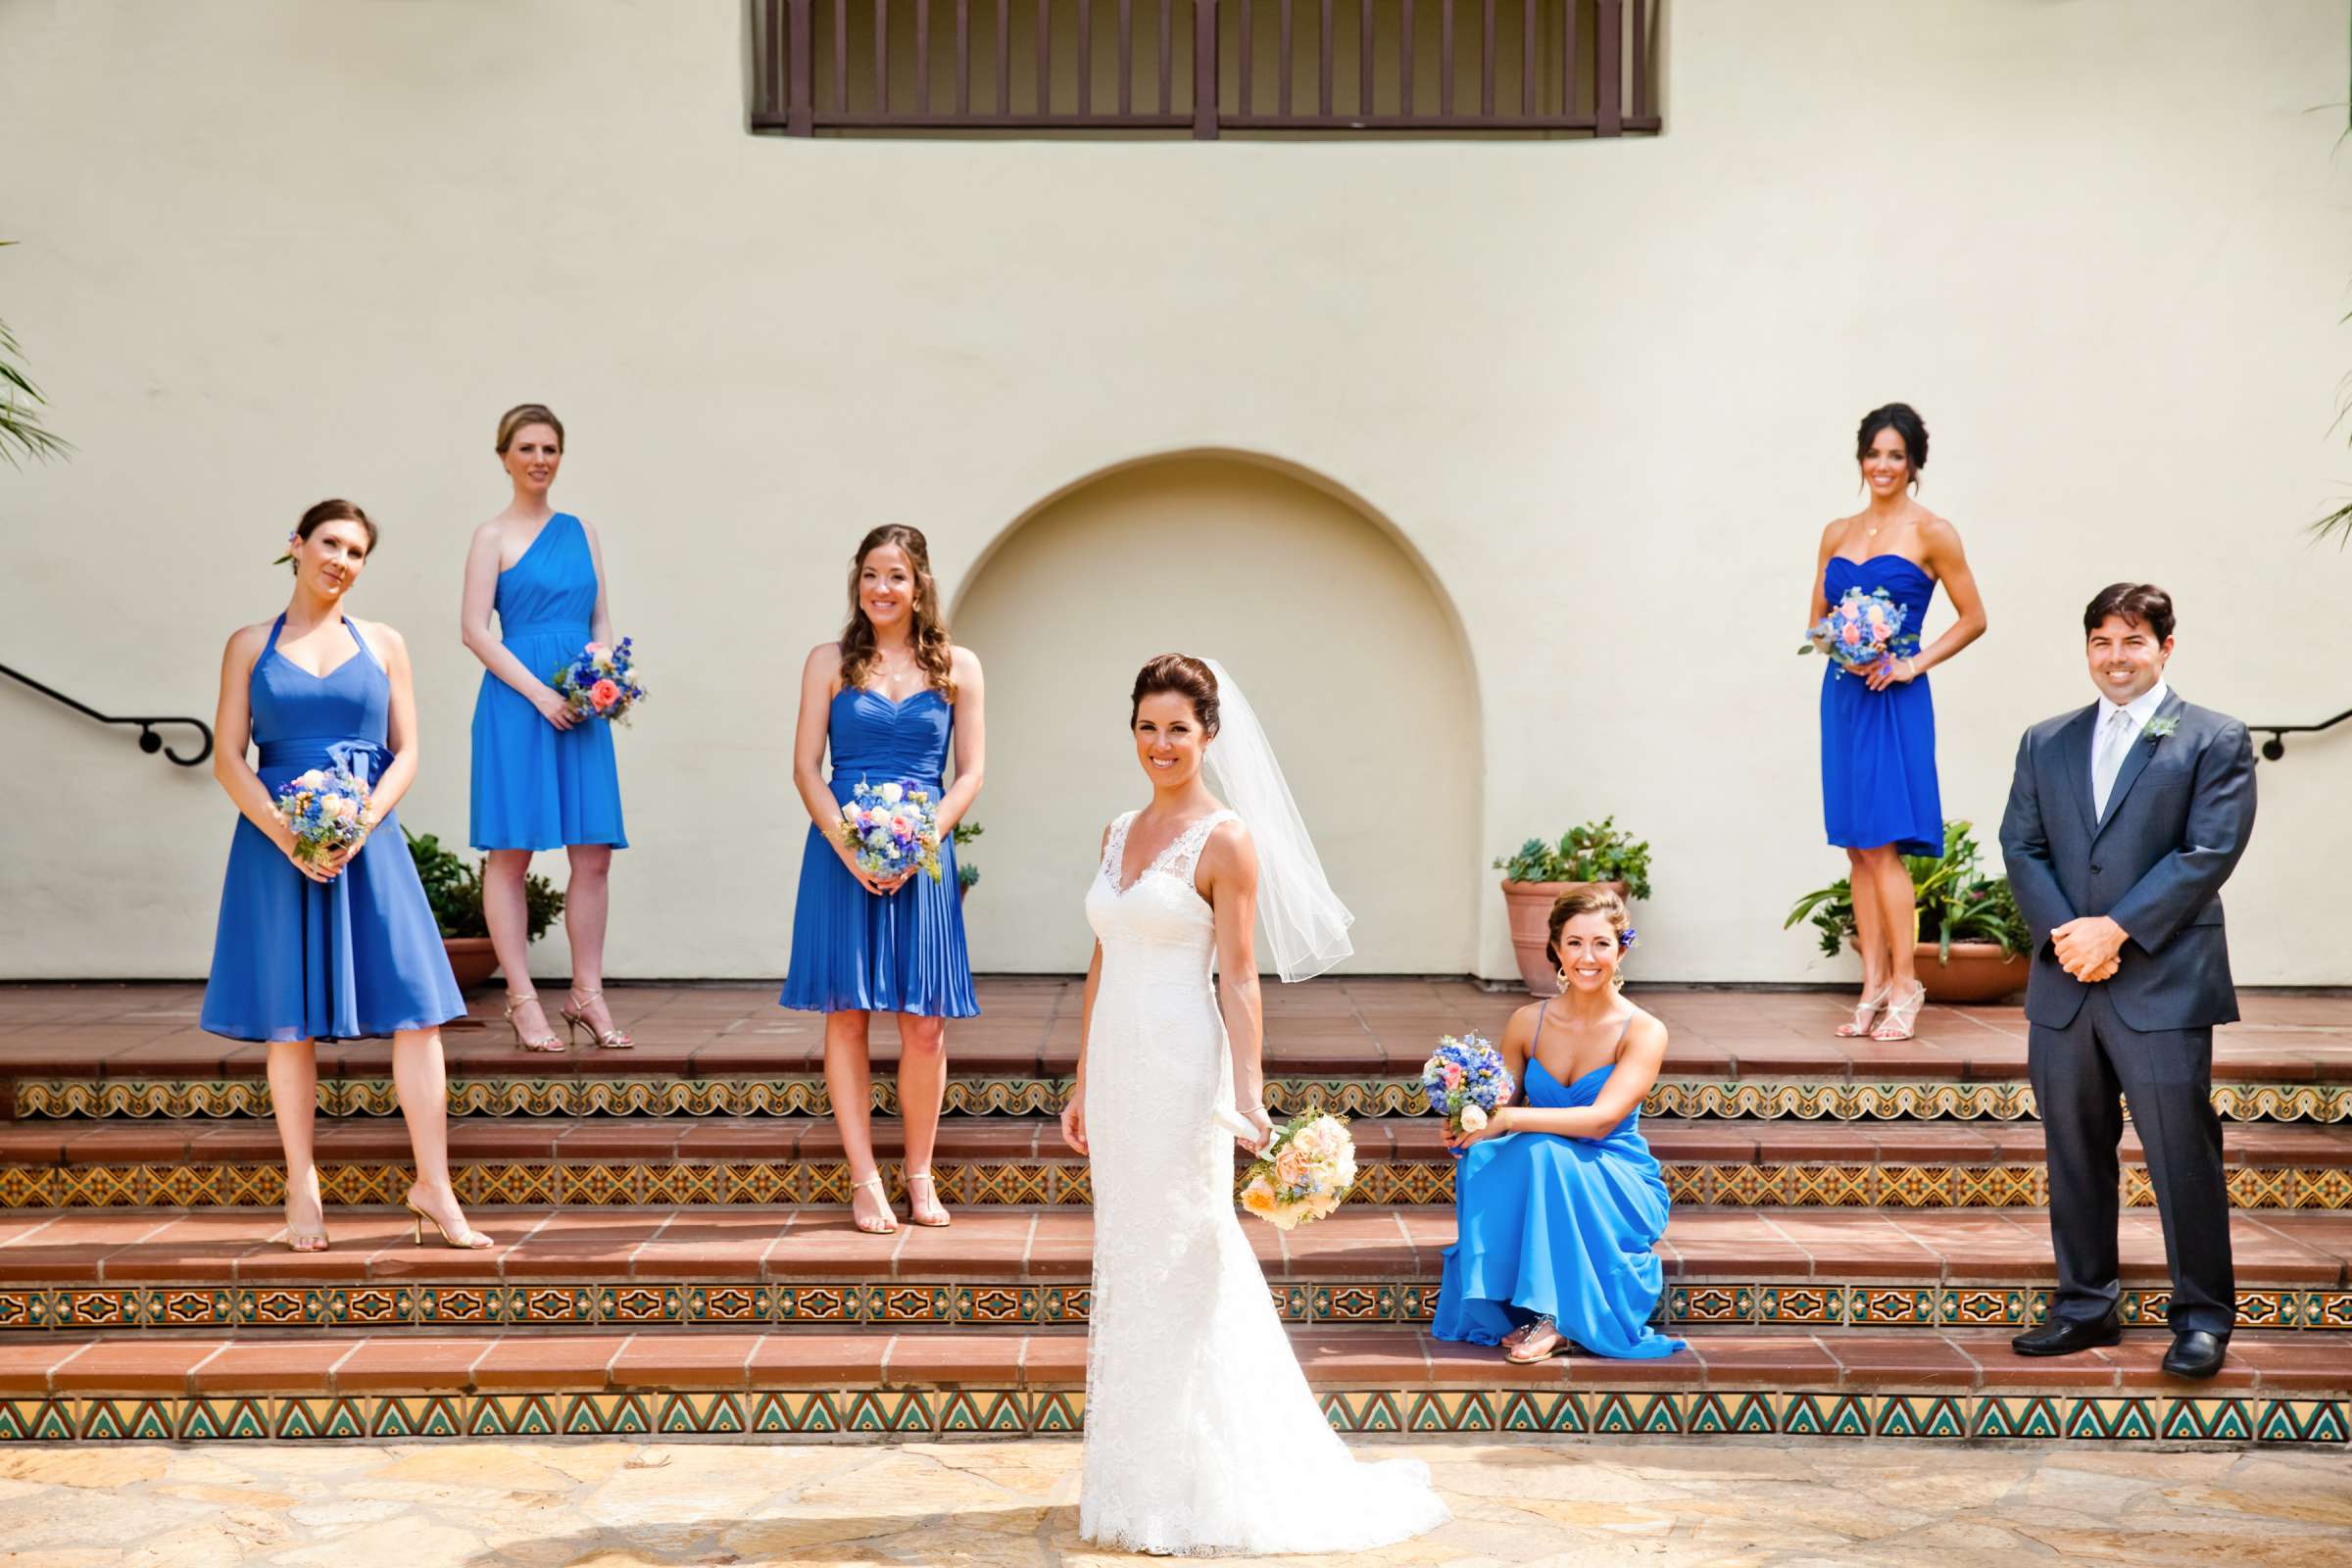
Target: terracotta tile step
338,1364
1029,1026
638,1139
806,1244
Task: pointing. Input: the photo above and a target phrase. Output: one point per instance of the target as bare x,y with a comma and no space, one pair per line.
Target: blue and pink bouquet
602,682
1861,630
323,807
892,829
1466,1080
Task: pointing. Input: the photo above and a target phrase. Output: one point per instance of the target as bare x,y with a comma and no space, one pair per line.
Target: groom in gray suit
2125,818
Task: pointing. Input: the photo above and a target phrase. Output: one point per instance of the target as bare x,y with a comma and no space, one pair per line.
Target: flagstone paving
627,1504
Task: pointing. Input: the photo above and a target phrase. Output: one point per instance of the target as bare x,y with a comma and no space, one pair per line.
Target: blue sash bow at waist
365,761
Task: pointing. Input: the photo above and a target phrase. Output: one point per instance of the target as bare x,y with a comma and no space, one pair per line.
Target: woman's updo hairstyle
522,413
1594,899
1187,677
327,512
1904,420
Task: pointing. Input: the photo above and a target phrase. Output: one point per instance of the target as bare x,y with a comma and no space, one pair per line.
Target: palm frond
22,435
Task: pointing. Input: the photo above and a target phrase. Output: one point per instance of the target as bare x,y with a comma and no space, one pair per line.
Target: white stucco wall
1606,390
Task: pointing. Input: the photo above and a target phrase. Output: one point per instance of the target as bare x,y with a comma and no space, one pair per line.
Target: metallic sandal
1519,1355
944,1220
1902,1017
1865,1011
575,1018
544,1042
889,1224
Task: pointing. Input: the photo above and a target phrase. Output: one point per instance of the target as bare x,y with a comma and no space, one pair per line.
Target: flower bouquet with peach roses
324,806
602,682
1862,630
1304,1173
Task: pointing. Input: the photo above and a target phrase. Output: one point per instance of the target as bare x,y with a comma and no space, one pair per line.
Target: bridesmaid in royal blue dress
343,948
543,773
889,700
1878,728
1559,1201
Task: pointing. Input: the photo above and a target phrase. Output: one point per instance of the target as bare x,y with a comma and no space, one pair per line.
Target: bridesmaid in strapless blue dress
1558,1228
892,702
1878,795
1877,749
544,775
347,948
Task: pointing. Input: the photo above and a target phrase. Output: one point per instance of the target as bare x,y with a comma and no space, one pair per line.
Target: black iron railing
1202,67
149,741
2275,747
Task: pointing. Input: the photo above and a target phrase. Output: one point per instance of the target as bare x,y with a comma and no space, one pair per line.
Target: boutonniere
2159,728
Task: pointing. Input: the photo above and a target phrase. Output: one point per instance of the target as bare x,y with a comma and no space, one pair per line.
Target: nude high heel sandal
575,1018
547,1042
1902,1017
474,1241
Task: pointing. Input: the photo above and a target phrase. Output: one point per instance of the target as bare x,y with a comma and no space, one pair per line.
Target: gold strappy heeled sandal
575,1018
944,1218
888,1225
472,1241
545,1042
1865,1011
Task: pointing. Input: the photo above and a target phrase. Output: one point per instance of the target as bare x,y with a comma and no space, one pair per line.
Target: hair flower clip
1625,939
292,539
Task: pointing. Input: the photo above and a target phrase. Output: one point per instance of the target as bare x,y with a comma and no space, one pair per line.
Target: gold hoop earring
1562,972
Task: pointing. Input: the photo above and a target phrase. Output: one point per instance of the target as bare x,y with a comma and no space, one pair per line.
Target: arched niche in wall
1352,655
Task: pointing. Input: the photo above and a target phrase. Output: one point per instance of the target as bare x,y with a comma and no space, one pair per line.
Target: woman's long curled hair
932,649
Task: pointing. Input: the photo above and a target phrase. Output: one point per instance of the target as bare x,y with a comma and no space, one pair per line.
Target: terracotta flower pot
471,960
1977,972
1529,904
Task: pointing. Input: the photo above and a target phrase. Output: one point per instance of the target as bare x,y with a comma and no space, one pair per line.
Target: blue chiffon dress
1559,1226
354,958
538,787
1877,749
902,953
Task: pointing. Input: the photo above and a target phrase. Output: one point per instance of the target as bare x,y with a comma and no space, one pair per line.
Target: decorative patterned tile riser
1065,1182
982,1304
1034,1097
908,1414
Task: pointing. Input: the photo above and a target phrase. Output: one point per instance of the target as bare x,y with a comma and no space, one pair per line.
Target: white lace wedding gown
1201,1435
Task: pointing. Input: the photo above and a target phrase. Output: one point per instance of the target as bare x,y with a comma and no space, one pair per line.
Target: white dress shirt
2111,740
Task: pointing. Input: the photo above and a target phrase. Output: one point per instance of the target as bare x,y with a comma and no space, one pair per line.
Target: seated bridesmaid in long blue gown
343,948
1559,1202
1879,795
544,775
887,700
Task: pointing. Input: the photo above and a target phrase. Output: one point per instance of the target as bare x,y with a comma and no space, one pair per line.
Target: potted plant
1978,951
455,891
1534,878
967,875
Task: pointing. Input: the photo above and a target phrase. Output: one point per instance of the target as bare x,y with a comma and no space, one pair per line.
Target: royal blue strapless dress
349,960
1877,749
538,787
851,949
1563,1226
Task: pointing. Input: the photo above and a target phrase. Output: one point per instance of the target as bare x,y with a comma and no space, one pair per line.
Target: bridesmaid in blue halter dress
347,948
1559,1202
544,775
1879,794
889,700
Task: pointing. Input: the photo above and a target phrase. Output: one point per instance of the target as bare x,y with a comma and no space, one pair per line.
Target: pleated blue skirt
852,951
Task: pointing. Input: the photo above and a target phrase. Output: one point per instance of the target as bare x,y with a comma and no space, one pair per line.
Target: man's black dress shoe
2060,1338
2196,1355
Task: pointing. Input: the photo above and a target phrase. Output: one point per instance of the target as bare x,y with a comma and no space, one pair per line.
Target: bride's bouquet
602,681
891,829
1861,630
1466,1080
1302,1174
322,807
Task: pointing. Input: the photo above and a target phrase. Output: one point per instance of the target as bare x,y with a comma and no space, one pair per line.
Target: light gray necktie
2115,739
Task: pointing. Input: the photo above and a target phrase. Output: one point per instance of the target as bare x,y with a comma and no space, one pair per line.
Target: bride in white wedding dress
1201,1435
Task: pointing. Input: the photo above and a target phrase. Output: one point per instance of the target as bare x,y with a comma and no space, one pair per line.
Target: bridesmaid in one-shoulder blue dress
349,949
1879,795
1559,1229
544,775
893,702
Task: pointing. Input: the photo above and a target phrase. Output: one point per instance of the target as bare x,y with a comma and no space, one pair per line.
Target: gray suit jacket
2177,822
